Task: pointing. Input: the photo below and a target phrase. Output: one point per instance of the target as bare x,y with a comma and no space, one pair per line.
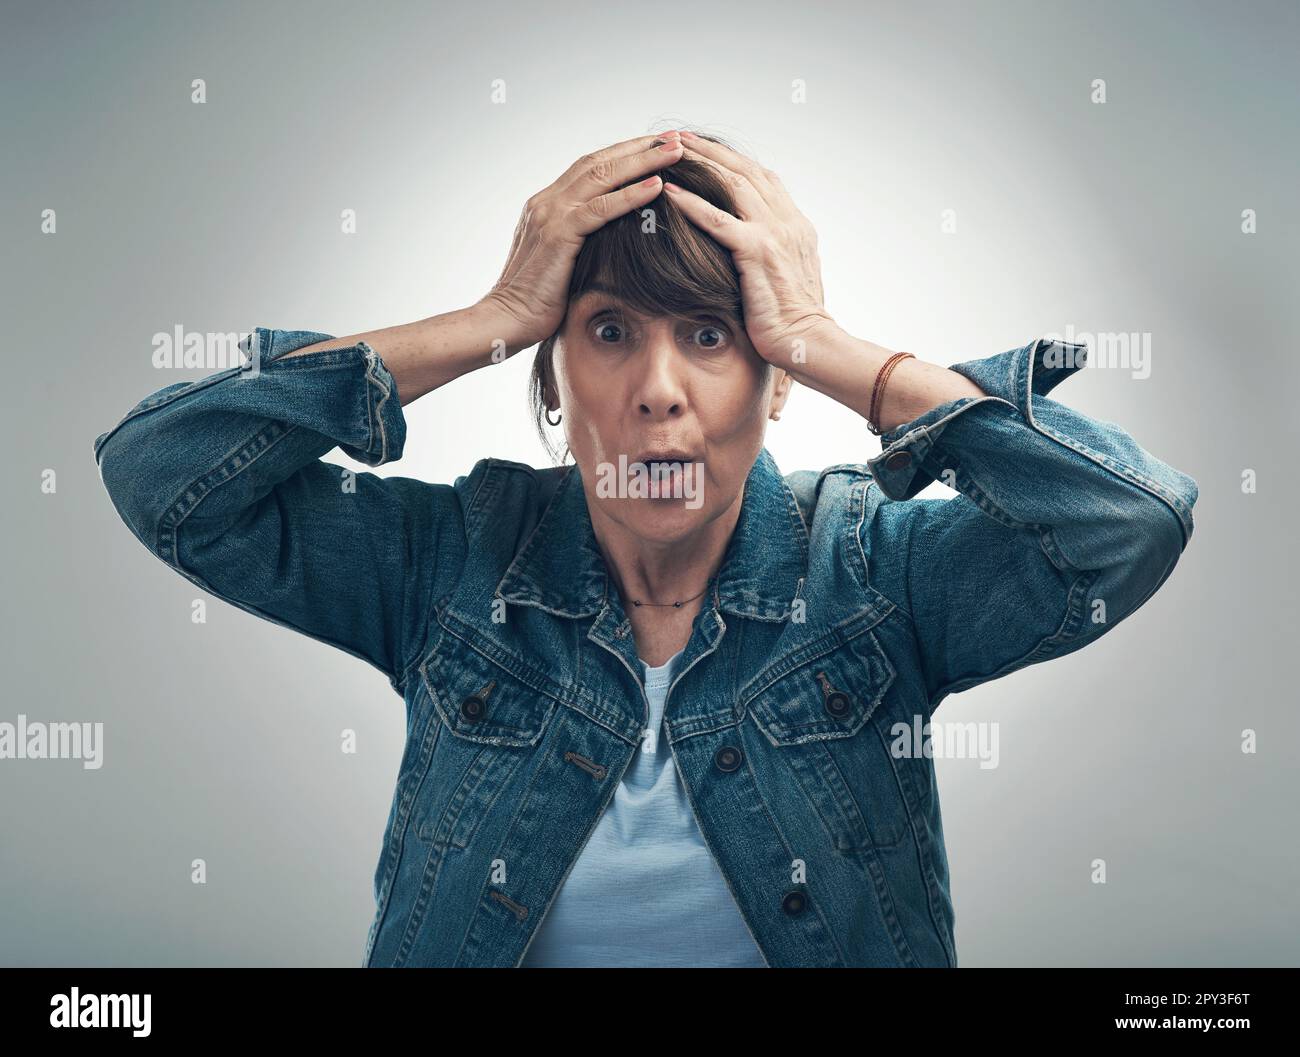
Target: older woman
658,698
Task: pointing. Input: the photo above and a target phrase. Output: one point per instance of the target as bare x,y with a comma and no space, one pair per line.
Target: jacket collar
561,569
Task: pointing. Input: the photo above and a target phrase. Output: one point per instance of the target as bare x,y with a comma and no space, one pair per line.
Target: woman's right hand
532,295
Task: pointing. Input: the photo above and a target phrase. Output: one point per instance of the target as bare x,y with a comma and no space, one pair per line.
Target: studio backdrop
980,175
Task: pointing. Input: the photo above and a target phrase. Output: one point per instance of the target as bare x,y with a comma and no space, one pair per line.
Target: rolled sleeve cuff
366,422
385,423
1010,378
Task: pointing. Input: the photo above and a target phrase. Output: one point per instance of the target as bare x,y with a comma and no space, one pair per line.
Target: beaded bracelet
882,376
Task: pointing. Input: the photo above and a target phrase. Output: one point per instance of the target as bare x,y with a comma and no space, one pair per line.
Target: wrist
501,327
800,343
841,366
817,349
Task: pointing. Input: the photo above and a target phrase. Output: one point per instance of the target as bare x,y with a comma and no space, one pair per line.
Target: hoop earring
548,418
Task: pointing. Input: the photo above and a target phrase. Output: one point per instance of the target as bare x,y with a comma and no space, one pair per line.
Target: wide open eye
711,337
608,331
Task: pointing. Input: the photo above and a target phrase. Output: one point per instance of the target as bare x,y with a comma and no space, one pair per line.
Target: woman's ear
780,392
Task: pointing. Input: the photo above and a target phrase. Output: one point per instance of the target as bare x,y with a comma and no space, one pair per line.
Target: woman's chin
662,519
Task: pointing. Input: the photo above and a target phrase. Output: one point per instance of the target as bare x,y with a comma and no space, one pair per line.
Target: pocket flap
480,700
828,696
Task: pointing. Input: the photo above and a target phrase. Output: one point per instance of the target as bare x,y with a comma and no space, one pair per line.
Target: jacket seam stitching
1064,634
193,387
429,745
862,554
418,655
178,510
174,525
1119,469
375,411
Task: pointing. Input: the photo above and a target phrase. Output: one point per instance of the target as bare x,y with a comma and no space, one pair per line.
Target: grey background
222,739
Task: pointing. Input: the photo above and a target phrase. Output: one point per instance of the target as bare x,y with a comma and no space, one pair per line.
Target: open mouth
666,479
667,475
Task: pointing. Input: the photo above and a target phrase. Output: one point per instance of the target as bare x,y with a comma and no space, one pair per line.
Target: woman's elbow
123,462
1154,534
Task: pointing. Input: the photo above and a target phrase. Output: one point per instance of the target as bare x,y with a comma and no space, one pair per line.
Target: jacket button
793,903
899,460
837,704
472,709
728,758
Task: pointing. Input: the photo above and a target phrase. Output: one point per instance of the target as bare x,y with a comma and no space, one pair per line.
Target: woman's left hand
774,247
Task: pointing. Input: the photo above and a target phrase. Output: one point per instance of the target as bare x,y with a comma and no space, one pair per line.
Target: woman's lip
670,484
658,476
647,459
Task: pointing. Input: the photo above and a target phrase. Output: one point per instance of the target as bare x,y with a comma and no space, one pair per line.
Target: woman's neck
650,571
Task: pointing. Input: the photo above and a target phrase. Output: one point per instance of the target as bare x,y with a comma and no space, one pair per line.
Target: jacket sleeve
1063,525
222,479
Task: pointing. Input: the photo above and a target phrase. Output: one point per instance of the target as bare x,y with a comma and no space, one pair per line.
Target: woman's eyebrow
599,290
608,303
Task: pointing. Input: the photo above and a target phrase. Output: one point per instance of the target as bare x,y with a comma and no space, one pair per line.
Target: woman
659,700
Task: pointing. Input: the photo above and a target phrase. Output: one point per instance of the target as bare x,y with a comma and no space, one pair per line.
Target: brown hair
675,269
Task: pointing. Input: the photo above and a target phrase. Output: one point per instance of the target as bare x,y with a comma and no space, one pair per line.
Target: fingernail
671,187
670,145
649,181
689,135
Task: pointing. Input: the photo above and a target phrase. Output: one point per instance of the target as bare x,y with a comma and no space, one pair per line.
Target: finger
611,172
731,232
782,196
729,159
636,145
591,215
749,201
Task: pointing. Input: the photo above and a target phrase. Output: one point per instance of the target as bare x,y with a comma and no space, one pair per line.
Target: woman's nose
660,392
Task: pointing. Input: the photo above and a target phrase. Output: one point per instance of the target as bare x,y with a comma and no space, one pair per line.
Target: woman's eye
603,332
710,337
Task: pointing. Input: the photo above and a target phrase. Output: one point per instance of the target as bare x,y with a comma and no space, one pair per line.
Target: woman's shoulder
494,466
839,479
499,487
543,477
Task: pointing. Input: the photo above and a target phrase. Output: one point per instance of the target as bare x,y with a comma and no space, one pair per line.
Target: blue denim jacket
843,607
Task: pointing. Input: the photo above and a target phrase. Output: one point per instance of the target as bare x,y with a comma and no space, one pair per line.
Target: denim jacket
843,608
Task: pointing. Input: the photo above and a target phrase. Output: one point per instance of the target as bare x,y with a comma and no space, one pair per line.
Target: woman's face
629,385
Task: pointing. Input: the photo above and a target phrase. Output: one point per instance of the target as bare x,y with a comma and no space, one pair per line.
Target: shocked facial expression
665,416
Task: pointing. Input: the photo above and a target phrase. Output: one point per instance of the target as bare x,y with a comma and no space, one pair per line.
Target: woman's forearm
429,353
844,368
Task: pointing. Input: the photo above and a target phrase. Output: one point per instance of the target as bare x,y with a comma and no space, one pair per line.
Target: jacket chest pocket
482,701
822,718
492,721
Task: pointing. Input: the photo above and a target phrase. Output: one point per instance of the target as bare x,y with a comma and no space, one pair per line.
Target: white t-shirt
645,890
